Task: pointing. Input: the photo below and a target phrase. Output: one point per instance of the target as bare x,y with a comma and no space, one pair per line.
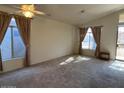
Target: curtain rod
92,26
3,12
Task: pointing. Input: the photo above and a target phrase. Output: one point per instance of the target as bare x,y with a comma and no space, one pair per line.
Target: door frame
117,41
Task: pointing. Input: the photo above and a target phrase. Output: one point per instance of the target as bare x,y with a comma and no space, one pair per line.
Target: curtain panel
4,23
83,32
24,25
97,36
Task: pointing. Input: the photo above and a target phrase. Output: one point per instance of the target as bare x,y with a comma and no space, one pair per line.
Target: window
121,34
89,42
12,45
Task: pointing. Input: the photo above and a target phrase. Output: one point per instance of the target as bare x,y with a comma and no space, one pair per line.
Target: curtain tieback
27,46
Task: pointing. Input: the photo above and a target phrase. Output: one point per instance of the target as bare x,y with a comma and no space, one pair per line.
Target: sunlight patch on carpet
117,66
74,60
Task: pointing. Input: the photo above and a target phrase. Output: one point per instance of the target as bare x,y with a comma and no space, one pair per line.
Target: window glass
89,42
12,22
19,48
12,45
121,35
6,45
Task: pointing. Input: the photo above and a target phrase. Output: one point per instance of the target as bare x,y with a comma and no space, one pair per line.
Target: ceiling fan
29,10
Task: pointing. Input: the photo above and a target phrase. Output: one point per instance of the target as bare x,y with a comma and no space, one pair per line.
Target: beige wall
109,32
76,41
50,39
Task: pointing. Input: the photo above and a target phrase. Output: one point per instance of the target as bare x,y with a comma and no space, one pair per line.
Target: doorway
120,42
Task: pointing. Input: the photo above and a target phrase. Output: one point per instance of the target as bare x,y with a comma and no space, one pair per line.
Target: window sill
88,49
7,60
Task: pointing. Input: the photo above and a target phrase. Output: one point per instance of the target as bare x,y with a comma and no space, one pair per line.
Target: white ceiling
71,13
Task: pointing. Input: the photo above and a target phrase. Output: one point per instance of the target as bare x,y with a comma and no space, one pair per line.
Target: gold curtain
4,23
83,32
24,25
97,35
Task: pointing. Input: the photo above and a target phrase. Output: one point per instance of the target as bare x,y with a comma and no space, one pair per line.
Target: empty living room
61,45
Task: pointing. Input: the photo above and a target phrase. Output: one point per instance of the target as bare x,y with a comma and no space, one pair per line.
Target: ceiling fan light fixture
28,14
28,7
29,10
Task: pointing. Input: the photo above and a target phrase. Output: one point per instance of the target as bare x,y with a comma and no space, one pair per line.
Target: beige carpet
67,72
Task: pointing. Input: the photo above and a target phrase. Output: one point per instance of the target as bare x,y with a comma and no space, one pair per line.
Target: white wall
50,39
109,32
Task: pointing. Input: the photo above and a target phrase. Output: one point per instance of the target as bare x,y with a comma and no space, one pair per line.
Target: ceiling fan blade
31,9
39,12
14,6
19,11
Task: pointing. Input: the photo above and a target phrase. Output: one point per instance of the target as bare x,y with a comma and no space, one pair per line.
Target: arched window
12,45
89,42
